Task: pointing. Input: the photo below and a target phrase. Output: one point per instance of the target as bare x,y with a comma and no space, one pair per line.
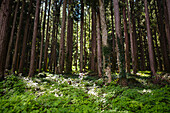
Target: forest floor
48,93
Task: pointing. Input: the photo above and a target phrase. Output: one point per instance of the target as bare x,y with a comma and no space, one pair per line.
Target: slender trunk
62,40
113,39
4,19
47,40
104,30
76,56
18,38
150,43
25,39
93,42
69,39
167,28
33,50
85,51
99,55
132,41
81,38
42,38
162,36
11,37
127,57
122,73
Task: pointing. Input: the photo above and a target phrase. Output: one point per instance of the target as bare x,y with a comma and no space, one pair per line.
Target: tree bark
42,38
25,39
62,39
33,49
99,55
150,43
4,19
11,37
47,40
81,38
127,57
122,74
69,39
18,38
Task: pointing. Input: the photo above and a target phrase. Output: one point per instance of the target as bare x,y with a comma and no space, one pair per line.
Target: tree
11,37
25,39
42,37
127,57
62,39
122,74
4,19
47,39
81,38
150,43
33,49
99,55
69,48
14,61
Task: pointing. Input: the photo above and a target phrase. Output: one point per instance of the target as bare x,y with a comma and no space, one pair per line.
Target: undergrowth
48,93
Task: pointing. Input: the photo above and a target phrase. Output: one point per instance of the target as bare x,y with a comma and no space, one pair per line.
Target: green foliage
87,95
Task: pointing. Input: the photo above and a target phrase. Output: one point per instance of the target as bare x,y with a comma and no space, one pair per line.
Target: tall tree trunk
99,55
69,39
47,39
81,38
33,49
167,27
62,40
85,51
42,37
162,36
25,39
113,39
104,30
11,37
122,74
76,55
4,19
127,57
93,41
18,38
150,43
132,41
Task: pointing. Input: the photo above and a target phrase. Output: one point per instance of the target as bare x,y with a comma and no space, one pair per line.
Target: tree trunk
162,36
25,39
127,57
104,30
93,42
99,55
76,55
122,74
33,49
4,19
11,37
85,51
62,40
167,28
47,40
131,40
150,43
113,39
42,37
81,38
69,39
18,38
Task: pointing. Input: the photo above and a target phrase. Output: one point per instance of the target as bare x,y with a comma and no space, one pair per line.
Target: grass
46,93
